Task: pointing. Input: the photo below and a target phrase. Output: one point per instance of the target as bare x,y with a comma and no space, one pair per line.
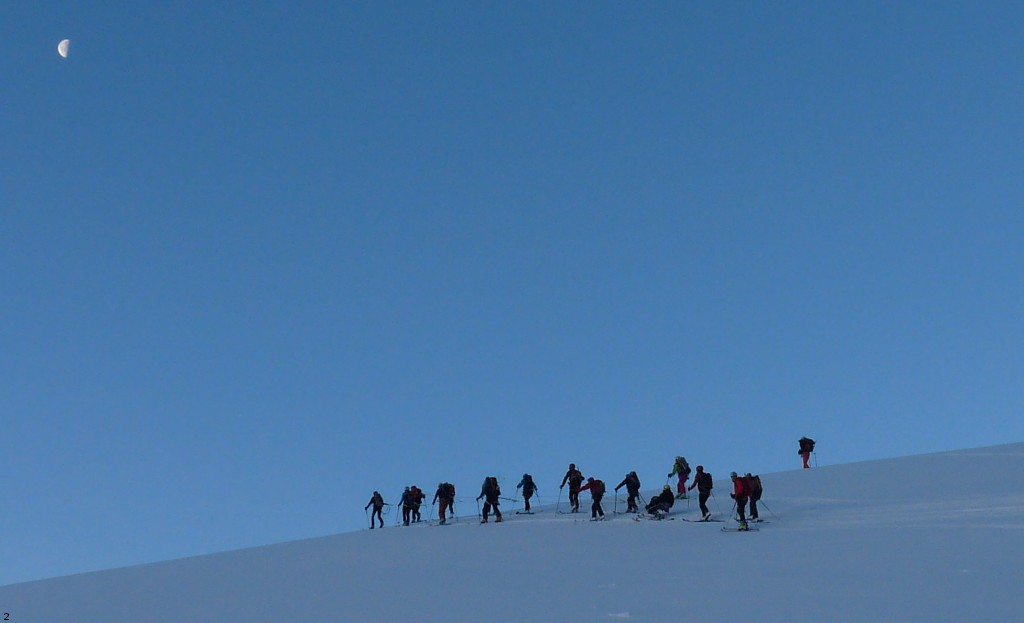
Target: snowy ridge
936,537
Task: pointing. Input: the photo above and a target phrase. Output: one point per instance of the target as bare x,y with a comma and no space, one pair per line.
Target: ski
738,530
525,512
703,520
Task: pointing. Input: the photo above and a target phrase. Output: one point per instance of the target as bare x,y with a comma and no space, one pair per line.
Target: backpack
686,466
705,482
528,483
598,488
448,490
378,499
755,485
575,477
806,444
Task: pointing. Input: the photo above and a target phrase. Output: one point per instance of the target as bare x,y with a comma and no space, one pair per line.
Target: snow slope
926,538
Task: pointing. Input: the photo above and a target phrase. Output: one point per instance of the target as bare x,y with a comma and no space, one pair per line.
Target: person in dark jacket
596,488
490,492
806,448
740,493
377,502
575,478
661,503
446,494
407,503
632,484
529,488
704,484
754,483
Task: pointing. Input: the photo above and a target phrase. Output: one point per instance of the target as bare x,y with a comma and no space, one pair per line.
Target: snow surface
931,538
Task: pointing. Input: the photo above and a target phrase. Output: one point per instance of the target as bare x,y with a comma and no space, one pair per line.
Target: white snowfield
929,538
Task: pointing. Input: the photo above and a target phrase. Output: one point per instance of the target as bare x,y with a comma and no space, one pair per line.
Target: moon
62,47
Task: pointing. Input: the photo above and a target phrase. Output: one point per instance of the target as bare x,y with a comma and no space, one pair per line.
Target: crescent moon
62,48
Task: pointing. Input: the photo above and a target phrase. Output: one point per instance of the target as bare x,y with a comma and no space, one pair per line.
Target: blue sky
260,259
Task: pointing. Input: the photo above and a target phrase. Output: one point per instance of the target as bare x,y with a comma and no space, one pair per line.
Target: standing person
446,494
740,493
575,478
632,484
417,500
754,482
596,493
806,448
682,468
407,504
661,503
490,491
704,484
377,502
529,488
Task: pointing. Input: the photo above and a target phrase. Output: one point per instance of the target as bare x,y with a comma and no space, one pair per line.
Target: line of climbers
746,489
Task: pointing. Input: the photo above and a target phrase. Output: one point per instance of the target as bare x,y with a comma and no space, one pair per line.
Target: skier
740,493
417,500
377,502
704,484
806,448
575,478
407,504
491,491
445,493
662,502
529,488
682,468
755,494
596,488
632,484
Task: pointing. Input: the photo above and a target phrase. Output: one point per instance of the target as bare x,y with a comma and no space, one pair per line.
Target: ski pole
615,509
367,513
815,458
717,506
761,502
559,499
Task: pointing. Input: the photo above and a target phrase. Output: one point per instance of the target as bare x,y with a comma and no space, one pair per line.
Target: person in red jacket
596,493
740,493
